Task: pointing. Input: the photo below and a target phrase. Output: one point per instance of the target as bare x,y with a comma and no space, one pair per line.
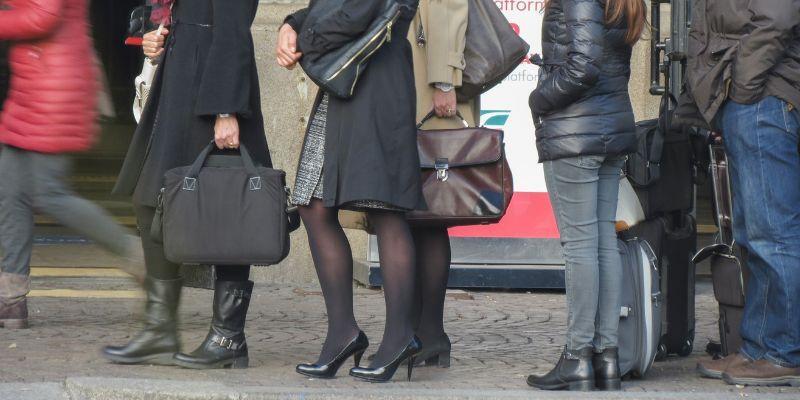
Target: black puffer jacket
581,105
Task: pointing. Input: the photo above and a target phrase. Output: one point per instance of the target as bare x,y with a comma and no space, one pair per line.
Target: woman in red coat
50,110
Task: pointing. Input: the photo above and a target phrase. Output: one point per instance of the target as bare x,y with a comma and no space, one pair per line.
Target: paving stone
498,339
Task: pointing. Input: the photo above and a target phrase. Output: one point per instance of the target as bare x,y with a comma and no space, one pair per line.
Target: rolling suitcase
678,283
640,312
673,240
728,261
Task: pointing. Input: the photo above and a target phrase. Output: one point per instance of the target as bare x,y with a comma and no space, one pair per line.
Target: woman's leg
433,270
333,261
156,263
572,184
233,273
398,265
225,346
16,236
158,341
610,263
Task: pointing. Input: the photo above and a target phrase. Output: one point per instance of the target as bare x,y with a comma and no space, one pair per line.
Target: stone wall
287,97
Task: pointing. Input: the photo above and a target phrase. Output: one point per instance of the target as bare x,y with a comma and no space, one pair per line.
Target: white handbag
143,82
629,208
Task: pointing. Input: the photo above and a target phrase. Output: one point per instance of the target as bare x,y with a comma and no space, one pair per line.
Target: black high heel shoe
436,354
386,372
355,349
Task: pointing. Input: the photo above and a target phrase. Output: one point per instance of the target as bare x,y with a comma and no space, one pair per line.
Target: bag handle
433,114
664,119
194,171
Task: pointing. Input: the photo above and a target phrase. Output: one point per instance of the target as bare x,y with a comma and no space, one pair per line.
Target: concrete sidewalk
498,339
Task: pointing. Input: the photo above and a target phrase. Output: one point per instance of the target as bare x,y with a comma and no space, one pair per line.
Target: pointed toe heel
357,357
386,372
355,349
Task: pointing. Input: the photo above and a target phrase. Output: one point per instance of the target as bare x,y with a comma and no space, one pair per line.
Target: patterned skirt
308,183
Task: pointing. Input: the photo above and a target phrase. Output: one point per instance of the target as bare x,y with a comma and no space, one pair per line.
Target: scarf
160,11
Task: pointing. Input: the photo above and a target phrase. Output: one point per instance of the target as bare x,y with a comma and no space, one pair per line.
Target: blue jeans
762,144
584,192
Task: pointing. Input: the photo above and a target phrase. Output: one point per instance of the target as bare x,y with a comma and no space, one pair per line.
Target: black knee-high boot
225,345
158,342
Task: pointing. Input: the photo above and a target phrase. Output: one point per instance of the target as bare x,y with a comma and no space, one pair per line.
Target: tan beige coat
443,25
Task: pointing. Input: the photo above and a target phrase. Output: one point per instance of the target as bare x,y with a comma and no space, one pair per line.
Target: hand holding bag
225,215
466,179
144,81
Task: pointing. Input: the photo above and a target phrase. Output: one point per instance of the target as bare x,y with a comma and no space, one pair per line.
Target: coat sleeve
30,20
772,23
226,82
580,71
296,19
446,37
338,28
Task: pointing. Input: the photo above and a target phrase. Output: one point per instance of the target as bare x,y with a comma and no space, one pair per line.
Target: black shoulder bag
337,71
225,213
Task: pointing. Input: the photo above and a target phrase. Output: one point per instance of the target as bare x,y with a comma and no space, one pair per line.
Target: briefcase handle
433,114
198,164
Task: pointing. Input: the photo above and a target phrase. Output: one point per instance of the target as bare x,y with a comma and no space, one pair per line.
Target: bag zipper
386,37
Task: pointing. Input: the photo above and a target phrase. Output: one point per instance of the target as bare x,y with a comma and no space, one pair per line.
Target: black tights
158,267
433,271
334,264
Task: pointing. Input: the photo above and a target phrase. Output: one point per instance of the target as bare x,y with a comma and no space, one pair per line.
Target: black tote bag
225,214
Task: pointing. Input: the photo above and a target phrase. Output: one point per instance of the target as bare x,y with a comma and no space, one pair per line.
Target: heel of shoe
240,363
582,386
609,384
357,357
443,359
14,323
410,367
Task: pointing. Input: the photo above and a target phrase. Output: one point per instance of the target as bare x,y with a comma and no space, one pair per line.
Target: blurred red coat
52,98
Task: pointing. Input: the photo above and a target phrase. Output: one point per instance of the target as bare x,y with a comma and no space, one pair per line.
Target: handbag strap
433,114
249,166
664,119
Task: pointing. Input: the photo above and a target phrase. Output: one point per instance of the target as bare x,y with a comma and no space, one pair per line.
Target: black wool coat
581,105
208,68
371,139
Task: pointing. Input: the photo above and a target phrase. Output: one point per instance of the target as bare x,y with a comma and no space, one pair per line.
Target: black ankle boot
225,346
158,342
573,372
606,369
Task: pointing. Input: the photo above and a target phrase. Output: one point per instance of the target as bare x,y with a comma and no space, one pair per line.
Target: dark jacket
581,104
208,69
371,140
743,50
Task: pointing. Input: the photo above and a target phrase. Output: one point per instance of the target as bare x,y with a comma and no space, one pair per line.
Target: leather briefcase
466,179
224,214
